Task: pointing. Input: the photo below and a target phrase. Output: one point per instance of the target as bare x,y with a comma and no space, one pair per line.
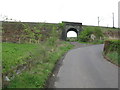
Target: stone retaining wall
11,31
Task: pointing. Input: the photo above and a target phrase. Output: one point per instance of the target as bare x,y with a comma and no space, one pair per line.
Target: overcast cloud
54,11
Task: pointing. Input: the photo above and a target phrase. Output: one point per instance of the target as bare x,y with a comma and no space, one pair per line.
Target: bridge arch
71,26
72,29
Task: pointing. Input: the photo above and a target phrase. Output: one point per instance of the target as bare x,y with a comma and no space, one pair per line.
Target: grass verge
14,54
112,51
114,57
38,74
94,42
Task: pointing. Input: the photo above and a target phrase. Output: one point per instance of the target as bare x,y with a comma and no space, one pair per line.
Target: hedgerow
112,45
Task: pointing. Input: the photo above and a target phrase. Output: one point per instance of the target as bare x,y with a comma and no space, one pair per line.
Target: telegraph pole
113,20
119,14
98,21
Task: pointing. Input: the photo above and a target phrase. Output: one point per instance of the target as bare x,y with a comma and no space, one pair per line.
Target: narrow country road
85,67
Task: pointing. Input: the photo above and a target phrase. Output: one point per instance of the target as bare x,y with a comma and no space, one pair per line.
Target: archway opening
72,34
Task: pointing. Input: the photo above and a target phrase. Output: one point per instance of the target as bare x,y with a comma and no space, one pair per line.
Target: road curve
85,67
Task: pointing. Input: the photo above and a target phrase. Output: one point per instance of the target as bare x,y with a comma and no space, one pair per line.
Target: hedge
112,45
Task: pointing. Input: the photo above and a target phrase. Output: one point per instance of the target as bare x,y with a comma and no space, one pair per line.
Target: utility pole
98,21
119,14
113,20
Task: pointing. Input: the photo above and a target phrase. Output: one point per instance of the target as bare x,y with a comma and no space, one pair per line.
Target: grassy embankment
112,51
114,57
44,58
15,54
99,32
40,57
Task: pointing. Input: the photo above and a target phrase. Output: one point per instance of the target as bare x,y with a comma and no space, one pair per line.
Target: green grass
38,74
114,57
40,60
14,54
94,42
98,42
108,29
72,39
104,29
112,50
97,31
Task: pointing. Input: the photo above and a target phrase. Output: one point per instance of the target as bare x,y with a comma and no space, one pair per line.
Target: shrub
84,36
54,36
61,25
97,32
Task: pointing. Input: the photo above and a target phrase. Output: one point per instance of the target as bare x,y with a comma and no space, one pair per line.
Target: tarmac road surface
85,67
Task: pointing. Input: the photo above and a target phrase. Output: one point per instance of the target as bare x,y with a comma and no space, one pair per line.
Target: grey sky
54,11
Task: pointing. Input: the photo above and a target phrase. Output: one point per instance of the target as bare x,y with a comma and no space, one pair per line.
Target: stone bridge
13,30
71,26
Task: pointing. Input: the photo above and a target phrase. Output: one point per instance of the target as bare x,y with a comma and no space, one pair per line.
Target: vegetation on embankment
21,32
38,74
104,29
29,62
112,51
95,34
92,35
14,54
71,39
